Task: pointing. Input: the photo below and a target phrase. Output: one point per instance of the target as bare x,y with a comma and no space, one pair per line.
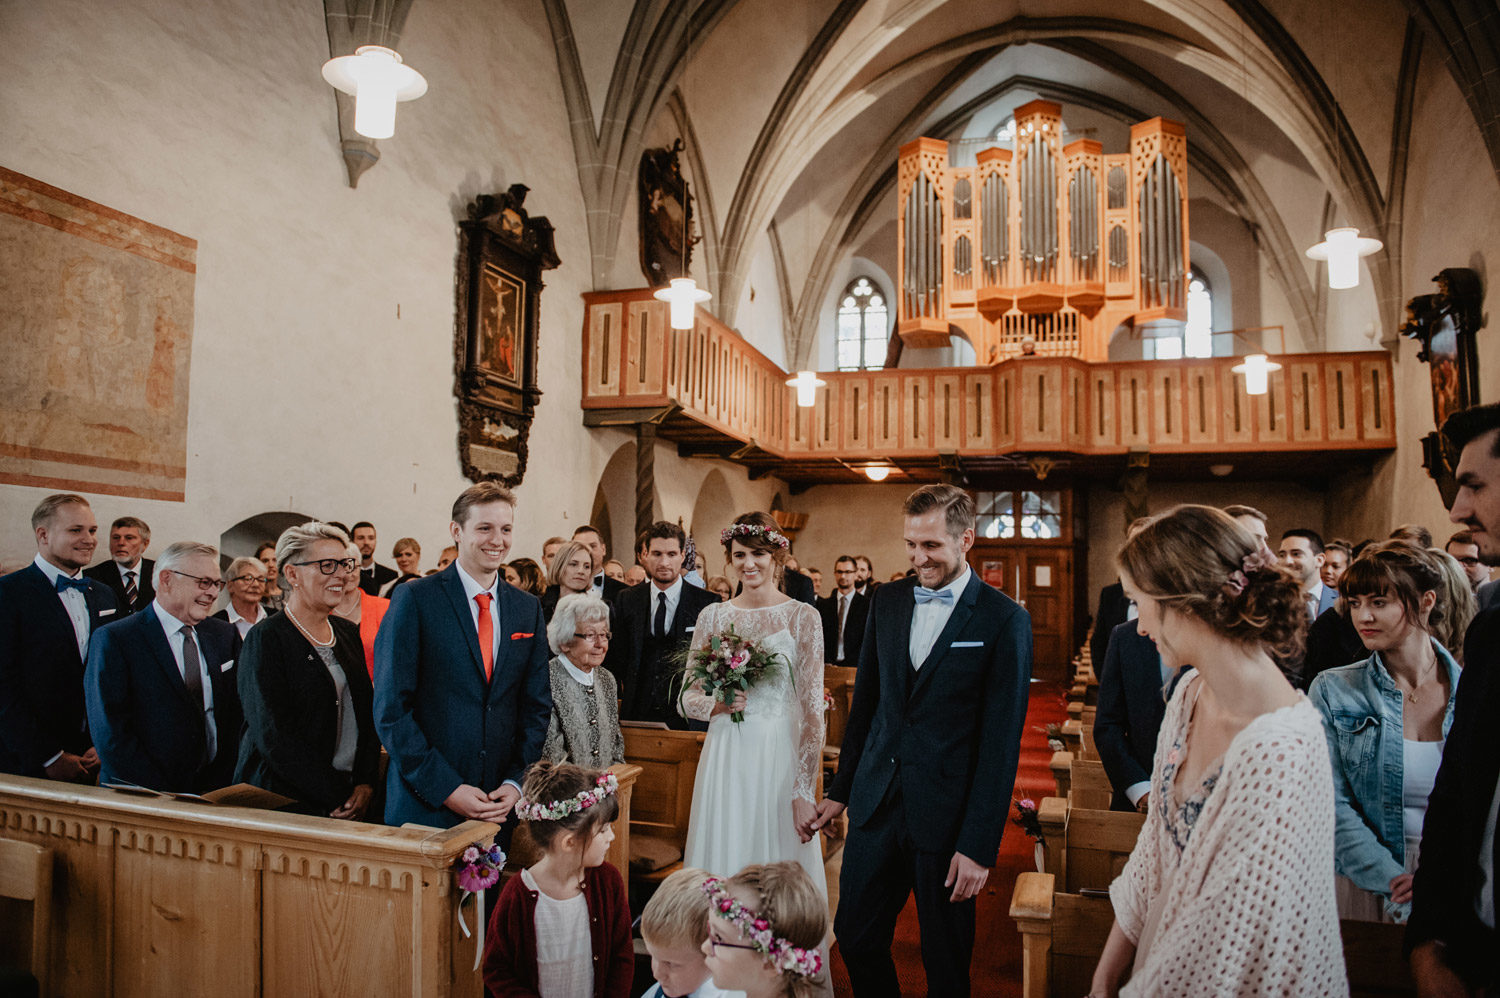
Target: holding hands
471,802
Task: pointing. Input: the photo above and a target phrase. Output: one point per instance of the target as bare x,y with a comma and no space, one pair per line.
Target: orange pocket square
518,635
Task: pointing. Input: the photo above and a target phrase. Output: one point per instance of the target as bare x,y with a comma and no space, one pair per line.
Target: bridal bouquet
727,664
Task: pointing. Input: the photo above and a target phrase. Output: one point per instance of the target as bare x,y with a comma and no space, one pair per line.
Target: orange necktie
486,634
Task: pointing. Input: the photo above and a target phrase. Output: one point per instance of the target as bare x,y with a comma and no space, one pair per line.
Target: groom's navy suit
441,722
927,769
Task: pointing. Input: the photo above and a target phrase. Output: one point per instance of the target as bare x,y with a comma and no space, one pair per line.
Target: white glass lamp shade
878,472
1342,249
377,79
1257,371
807,384
684,297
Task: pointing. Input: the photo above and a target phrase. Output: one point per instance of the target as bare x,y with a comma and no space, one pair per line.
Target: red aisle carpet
996,971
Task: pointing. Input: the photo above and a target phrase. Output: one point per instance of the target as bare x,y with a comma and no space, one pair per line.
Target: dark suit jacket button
481,753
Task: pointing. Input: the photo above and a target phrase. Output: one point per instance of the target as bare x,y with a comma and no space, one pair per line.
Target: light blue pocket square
967,644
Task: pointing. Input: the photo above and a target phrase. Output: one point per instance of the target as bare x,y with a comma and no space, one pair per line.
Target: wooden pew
839,682
1073,741
1063,934
1062,772
668,761
156,896
1089,785
26,909
1086,848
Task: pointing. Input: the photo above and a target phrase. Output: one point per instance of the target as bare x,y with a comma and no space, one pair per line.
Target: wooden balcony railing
712,377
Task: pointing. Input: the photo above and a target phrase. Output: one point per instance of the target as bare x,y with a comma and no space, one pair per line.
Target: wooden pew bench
1089,786
1086,848
668,761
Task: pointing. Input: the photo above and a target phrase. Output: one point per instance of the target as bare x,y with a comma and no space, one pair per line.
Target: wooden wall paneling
1305,403
1238,426
605,331
645,349
83,876
1271,423
979,411
916,412
1168,411
1377,411
885,413
1007,402
1077,403
1203,415
1341,400
947,412
1041,403
1104,409
826,433
1135,405
172,892
855,418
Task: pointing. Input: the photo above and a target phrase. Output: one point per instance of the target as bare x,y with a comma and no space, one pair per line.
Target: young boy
674,926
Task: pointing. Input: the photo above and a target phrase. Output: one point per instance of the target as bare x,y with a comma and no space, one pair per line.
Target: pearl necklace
332,634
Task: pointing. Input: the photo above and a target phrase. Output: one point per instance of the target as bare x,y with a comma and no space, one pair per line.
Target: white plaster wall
321,372
854,520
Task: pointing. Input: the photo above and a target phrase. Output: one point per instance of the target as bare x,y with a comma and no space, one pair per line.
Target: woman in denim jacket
1386,719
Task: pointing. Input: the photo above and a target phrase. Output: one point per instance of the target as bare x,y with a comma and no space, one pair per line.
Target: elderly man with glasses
160,684
245,584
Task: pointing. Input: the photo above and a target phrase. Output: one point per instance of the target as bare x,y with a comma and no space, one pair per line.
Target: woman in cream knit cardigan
1230,888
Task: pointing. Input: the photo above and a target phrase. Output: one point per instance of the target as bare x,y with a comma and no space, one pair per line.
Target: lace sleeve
807,673
695,705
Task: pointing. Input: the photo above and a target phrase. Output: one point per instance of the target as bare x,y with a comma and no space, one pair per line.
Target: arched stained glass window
862,329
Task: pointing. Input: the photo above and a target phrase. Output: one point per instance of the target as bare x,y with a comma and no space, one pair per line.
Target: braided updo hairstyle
783,894
1191,558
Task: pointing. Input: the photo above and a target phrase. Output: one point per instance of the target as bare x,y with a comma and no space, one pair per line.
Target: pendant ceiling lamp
1257,371
377,79
1342,249
684,297
807,384
877,472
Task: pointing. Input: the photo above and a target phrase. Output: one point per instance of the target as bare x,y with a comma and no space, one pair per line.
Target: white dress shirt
472,589
134,570
579,676
242,624
173,628
929,619
72,600
674,596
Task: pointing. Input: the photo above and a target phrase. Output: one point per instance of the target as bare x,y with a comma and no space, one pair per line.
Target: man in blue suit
1302,552
462,692
929,758
1133,693
48,611
160,685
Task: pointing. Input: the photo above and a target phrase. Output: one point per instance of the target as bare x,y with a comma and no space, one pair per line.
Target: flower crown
772,535
785,957
531,810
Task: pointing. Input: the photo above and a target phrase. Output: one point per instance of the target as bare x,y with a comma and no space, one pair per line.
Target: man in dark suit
929,759
373,577
604,587
1114,610
865,581
48,612
1133,694
462,692
844,614
653,624
128,575
160,684
1451,935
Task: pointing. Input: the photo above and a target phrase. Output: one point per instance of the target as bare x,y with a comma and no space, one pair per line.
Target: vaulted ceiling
791,111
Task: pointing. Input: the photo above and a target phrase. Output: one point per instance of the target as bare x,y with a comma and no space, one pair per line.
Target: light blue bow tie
924,595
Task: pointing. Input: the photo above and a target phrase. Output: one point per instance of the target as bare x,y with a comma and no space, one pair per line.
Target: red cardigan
510,942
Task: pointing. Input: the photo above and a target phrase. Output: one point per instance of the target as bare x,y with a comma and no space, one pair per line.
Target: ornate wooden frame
502,254
1446,324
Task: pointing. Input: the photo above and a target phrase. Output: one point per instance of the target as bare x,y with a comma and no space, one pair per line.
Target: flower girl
561,929
765,926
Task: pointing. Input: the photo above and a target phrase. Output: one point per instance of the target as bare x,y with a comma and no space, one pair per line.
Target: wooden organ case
1054,244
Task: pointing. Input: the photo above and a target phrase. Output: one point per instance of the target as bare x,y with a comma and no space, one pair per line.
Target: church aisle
997,945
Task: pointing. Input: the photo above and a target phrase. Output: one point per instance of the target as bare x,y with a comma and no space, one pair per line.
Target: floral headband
753,530
785,957
1264,557
531,810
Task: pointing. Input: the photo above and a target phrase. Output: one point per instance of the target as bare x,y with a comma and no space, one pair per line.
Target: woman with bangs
1387,719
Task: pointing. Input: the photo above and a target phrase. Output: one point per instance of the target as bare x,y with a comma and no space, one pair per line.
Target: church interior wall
308,389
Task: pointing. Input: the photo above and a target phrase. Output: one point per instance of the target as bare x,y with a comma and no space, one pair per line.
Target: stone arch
712,512
612,511
244,537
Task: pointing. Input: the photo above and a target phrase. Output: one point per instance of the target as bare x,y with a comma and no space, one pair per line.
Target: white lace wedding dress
750,771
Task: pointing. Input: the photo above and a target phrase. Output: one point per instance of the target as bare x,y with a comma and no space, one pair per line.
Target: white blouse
564,947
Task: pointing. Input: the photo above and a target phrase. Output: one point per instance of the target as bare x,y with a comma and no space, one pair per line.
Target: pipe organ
1056,244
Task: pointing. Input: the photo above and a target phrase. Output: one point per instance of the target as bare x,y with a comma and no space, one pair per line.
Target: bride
757,777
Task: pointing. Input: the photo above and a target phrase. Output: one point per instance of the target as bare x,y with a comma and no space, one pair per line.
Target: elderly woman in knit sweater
1230,888
585,725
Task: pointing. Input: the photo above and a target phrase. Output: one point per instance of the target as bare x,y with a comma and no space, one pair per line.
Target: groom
929,758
